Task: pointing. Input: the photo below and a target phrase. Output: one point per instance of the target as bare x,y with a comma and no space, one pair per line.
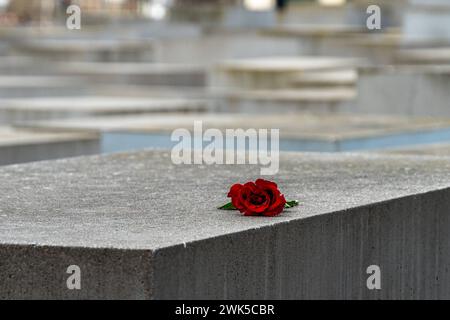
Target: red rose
261,197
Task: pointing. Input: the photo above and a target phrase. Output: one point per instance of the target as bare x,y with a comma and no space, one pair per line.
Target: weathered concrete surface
19,146
140,227
17,110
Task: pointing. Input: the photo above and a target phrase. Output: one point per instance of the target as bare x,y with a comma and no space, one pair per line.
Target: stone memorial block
19,145
411,90
86,49
22,86
427,19
436,56
139,227
18,110
274,72
145,74
298,132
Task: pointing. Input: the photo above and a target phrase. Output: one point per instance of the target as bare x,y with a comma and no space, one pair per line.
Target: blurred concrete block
437,56
339,78
427,19
217,45
19,145
145,74
411,90
12,86
316,100
86,49
298,132
140,227
274,72
17,110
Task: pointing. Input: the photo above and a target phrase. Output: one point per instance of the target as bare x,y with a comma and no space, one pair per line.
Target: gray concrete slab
86,49
22,86
314,100
440,55
275,72
214,46
17,110
20,145
298,132
403,90
140,227
146,74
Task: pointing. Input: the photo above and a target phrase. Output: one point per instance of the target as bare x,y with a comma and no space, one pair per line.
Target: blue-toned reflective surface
118,141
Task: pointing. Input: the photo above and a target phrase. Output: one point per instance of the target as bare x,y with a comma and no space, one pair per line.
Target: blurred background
136,70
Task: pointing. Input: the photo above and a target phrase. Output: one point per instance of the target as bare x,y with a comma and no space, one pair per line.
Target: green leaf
288,204
291,203
228,206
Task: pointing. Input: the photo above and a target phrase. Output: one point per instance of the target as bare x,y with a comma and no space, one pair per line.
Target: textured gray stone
140,227
18,146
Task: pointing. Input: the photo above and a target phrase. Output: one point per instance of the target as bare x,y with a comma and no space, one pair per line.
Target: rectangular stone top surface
98,104
329,127
11,136
430,55
84,44
143,201
289,64
314,30
334,77
127,68
11,81
296,95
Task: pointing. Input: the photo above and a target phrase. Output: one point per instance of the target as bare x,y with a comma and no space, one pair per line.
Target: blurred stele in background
226,58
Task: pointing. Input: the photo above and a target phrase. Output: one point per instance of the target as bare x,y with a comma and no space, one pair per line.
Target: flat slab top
317,30
436,55
288,64
300,125
37,81
92,104
436,149
143,201
86,44
131,68
335,77
296,95
12,137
